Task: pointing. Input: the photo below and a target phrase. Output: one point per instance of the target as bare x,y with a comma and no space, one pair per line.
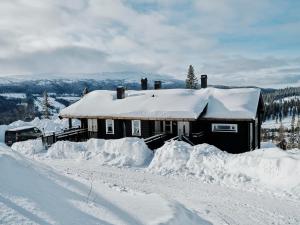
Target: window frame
112,124
233,128
139,127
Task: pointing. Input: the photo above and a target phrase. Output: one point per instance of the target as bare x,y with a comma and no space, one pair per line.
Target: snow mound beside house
29,148
67,150
271,167
120,152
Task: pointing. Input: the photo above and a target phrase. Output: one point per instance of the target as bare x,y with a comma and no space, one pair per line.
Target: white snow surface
271,167
13,95
272,124
32,193
168,103
183,184
132,152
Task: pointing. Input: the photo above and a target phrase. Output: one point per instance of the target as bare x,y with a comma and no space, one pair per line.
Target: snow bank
120,152
29,148
32,193
67,150
271,167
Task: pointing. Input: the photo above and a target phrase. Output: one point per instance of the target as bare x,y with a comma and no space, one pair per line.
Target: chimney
204,81
120,92
144,83
157,84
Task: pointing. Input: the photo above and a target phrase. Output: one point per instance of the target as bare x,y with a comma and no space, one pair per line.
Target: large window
136,127
110,127
222,127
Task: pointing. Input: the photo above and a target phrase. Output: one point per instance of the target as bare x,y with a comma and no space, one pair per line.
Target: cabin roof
175,104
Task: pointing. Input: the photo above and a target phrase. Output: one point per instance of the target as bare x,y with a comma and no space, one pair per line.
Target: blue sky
237,42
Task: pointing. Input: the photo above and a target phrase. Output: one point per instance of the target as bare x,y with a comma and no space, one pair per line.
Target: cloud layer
235,42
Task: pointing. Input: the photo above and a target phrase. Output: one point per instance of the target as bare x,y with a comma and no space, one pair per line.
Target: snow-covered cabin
227,118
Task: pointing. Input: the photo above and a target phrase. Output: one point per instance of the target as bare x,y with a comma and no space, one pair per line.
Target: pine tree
46,105
191,81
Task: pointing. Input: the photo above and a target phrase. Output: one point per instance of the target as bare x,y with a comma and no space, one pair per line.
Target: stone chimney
157,84
144,83
204,81
120,92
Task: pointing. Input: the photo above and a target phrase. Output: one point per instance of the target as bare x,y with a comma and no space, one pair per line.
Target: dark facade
233,136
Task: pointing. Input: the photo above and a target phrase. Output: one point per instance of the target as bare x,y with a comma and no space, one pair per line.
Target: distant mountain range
75,83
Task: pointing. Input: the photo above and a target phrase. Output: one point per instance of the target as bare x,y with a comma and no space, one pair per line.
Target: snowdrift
271,167
31,193
120,152
29,148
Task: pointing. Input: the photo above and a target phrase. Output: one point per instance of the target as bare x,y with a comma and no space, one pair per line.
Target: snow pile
67,150
31,193
271,167
29,148
120,152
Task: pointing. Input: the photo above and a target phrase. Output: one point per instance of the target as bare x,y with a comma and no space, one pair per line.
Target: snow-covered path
215,203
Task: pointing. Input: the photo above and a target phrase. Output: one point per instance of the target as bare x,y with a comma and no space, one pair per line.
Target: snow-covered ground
13,95
179,184
286,122
32,193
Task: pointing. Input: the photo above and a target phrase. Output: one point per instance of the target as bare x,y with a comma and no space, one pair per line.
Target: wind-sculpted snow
132,152
269,167
32,193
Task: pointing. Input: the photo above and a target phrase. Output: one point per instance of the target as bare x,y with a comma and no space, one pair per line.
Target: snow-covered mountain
75,83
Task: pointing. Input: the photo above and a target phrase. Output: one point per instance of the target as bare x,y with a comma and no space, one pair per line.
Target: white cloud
74,36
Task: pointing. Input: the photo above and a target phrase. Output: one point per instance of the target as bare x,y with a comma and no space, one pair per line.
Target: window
110,127
222,127
136,127
92,125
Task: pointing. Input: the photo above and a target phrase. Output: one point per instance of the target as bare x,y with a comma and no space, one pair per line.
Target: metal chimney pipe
120,92
204,81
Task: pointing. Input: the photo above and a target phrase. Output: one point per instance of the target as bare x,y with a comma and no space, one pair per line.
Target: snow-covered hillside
31,193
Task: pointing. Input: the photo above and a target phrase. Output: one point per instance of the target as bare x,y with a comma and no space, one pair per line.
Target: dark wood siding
230,142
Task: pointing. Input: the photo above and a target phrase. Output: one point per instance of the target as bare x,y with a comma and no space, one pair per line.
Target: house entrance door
183,128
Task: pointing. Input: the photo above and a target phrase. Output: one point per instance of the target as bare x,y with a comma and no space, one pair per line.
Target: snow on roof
20,128
236,103
176,104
